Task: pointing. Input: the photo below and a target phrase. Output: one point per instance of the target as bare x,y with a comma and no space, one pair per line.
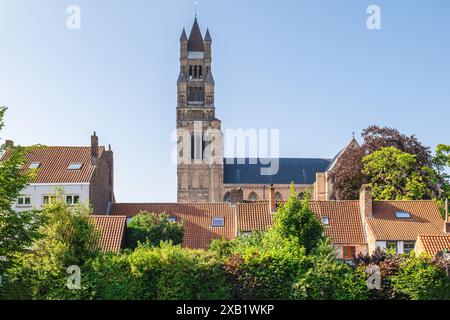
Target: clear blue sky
309,68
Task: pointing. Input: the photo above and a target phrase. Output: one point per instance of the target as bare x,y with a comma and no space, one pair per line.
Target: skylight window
172,219
325,221
75,166
218,222
34,165
402,215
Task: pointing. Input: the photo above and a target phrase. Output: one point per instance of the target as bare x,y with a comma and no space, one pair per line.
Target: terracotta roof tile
197,217
112,231
345,222
425,219
433,244
55,160
345,226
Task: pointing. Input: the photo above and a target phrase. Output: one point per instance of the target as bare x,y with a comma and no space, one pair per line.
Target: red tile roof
425,219
112,231
345,221
432,244
345,224
55,160
197,218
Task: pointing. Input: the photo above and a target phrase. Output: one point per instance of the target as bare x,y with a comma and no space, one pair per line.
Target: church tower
200,140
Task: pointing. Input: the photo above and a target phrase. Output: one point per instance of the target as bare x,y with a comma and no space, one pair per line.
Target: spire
183,36
181,78
195,42
209,78
208,36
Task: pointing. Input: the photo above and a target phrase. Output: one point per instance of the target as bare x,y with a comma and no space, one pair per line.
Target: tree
395,175
329,279
68,239
347,176
441,163
153,228
17,229
420,279
295,219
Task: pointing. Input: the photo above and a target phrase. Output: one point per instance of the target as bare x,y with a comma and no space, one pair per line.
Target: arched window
227,197
301,196
253,196
278,196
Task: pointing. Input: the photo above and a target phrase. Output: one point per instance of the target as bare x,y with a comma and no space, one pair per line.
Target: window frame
24,204
405,243
403,215
34,165
73,199
327,219
222,219
347,252
391,243
50,197
172,219
74,166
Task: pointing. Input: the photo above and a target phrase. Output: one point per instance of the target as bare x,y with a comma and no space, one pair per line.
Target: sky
311,69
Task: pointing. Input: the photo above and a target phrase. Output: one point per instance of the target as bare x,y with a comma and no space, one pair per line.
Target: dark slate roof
299,171
183,36
195,42
208,36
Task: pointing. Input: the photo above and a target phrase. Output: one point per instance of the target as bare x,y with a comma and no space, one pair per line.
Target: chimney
94,149
365,201
9,144
272,201
237,196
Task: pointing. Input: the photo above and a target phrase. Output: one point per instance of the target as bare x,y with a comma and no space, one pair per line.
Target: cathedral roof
183,36
299,171
195,42
208,36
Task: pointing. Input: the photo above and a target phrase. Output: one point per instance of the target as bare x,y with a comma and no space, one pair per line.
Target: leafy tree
330,279
347,176
441,163
419,279
68,238
395,175
295,219
17,229
153,228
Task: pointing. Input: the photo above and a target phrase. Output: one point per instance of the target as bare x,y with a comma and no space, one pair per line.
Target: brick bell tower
200,140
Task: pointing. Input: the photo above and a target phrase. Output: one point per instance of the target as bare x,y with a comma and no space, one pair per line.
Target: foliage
420,279
68,238
347,176
153,228
329,279
295,219
395,175
175,273
17,229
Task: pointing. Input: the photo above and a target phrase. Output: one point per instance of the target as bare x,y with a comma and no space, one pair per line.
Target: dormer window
34,165
218,222
325,220
75,166
403,215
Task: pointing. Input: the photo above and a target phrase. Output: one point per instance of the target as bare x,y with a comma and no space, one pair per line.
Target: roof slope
112,231
425,219
55,160
197,218
345,224
195,42
432,244
299,171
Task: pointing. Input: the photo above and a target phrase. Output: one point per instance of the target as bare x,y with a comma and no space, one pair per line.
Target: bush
420,279
330,279
153,228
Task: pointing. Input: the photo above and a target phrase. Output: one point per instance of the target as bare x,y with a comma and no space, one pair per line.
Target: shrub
153,228
420,279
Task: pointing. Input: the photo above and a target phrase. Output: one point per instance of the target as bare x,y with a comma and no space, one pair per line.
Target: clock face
195,54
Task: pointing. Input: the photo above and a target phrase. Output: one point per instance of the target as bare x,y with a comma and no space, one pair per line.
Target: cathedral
214,179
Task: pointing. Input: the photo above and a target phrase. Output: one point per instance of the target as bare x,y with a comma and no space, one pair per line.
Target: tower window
196,94
253,197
